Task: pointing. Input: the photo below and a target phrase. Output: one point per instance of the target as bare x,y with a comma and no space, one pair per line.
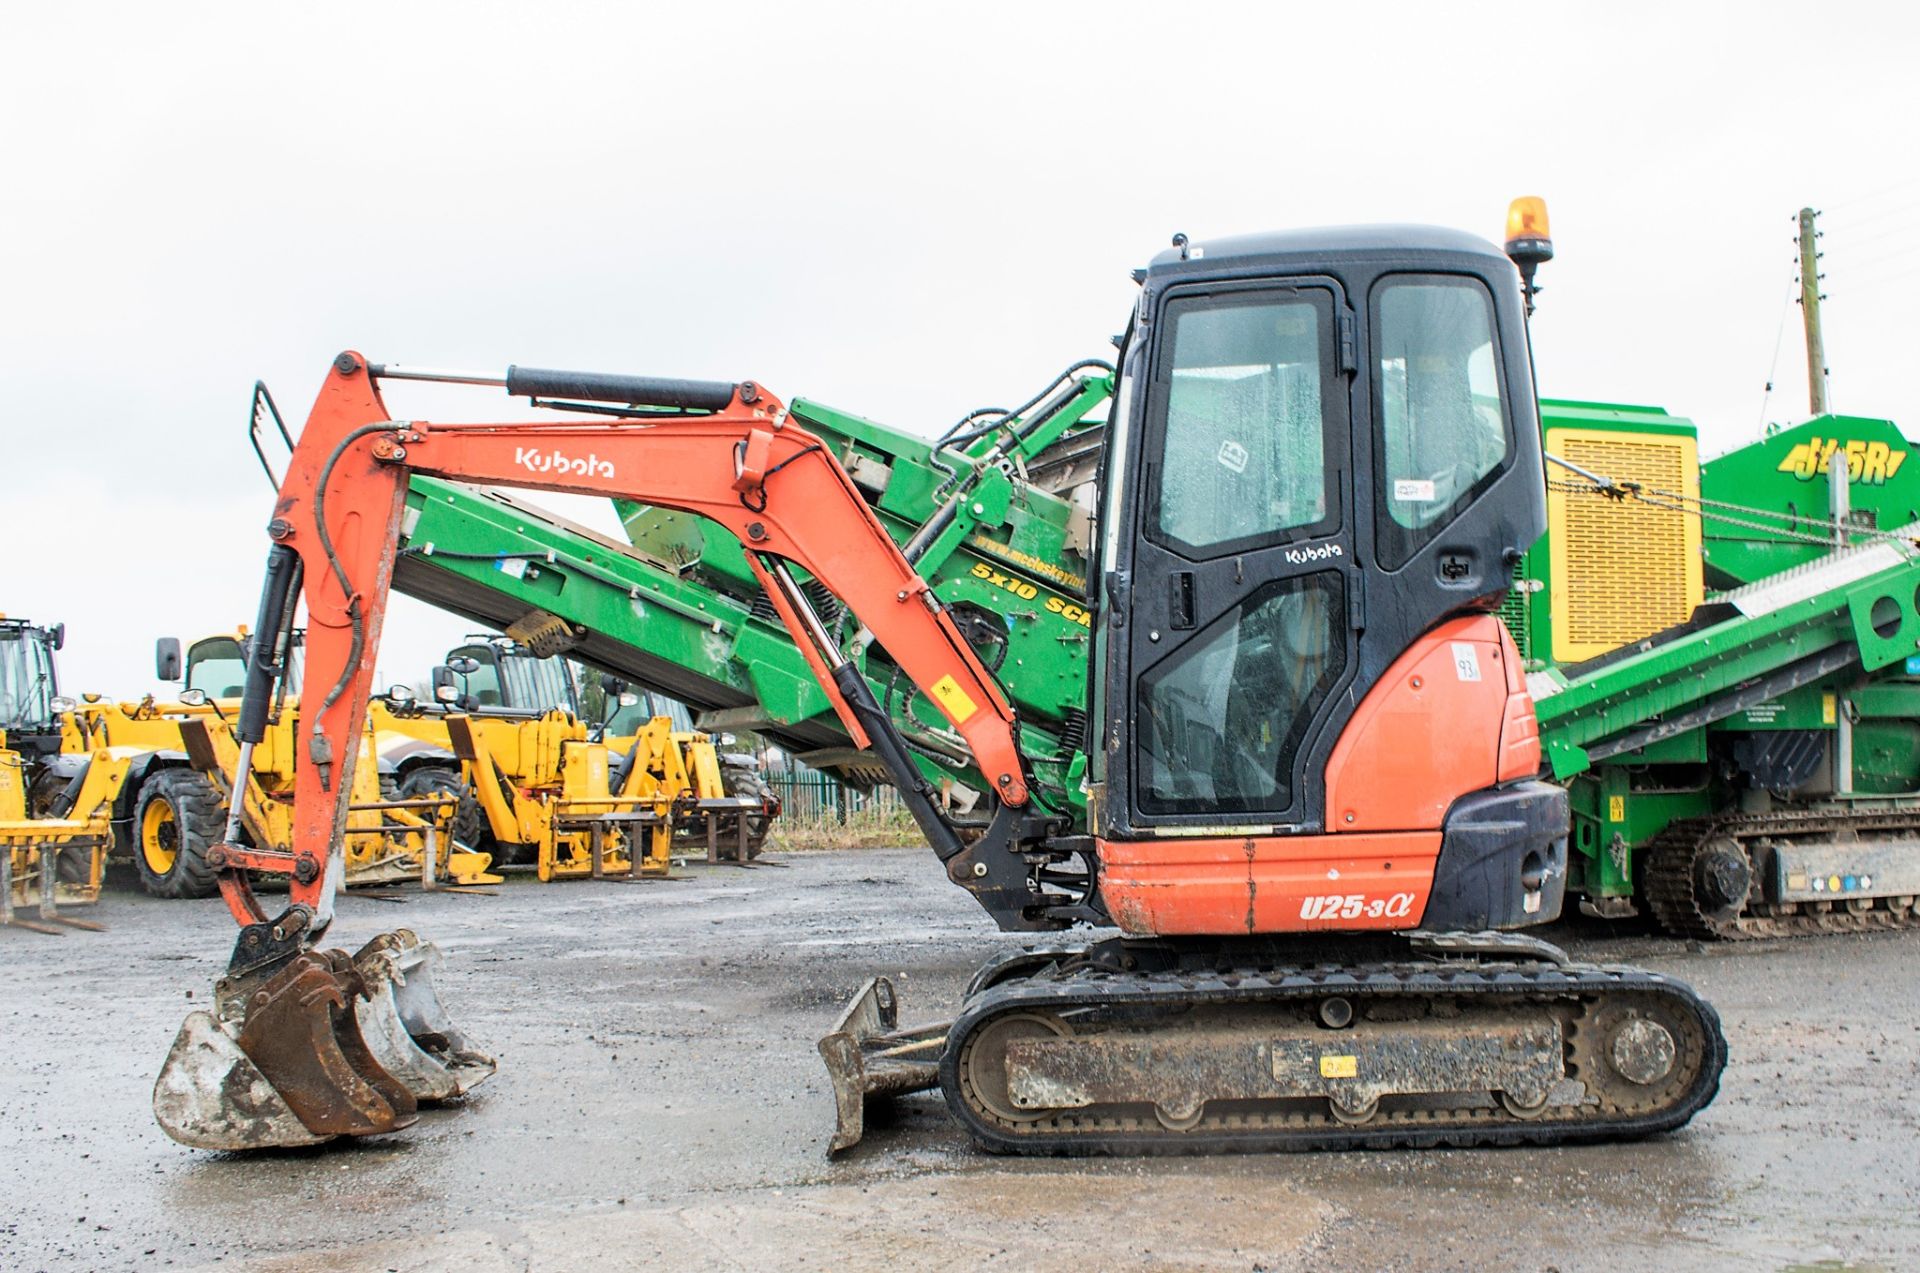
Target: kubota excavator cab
1323,462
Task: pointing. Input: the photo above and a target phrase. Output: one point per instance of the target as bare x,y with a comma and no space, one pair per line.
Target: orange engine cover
1450,717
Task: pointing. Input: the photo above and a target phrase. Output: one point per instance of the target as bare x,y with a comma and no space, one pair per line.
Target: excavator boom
726,452
320,1044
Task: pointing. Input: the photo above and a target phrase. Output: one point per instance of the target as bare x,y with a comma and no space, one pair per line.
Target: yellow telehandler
525,783
54,817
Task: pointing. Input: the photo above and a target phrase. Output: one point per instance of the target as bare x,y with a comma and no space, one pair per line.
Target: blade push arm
742,464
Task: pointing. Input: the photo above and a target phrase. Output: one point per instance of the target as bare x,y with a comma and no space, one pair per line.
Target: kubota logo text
555,461
1301,556
1869,462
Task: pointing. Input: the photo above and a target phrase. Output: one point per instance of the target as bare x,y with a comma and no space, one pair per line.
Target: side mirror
463,666
166,658
194,698
399,695
57,636
444,689
614,685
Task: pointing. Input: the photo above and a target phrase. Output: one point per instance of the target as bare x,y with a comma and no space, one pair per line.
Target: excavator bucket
211,1096
283,1063
327,1046
403,1017
870,1058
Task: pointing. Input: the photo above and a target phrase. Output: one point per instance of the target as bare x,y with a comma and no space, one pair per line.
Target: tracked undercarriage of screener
1313,800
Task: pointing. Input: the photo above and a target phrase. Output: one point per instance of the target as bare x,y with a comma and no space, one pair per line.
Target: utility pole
1810,299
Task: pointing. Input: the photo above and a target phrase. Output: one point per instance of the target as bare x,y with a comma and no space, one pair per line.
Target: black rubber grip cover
600,386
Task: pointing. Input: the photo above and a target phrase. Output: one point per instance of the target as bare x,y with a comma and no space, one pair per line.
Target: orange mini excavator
1314,817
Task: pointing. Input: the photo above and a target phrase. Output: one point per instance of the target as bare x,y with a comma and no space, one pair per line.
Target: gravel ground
660,1104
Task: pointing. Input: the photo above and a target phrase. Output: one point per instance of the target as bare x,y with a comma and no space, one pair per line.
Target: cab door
1242,616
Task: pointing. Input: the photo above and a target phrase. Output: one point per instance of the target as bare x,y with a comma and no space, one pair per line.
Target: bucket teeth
301,1031
418,1007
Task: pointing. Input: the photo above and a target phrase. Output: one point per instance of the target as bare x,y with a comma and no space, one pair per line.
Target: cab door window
1223,717
1240,433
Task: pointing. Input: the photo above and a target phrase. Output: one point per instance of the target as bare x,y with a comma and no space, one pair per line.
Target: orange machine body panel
1267,884
1451,716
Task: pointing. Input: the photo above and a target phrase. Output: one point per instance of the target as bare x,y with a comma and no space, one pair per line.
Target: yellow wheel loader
520,782
539,789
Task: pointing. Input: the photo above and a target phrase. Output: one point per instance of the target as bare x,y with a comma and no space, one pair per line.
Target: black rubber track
1099,988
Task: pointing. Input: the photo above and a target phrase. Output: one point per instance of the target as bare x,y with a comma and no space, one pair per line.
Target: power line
1786,304
1879,214
1872,195
1895,230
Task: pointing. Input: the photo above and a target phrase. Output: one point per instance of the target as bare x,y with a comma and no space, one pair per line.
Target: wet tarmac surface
660,1104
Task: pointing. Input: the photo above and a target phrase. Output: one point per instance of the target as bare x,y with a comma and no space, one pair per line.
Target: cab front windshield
632,716
217,666
517,680
26,681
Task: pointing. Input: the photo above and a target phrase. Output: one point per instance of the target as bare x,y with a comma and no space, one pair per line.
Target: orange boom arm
743,464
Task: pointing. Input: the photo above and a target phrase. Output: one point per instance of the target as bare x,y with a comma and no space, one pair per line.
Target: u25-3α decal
1356,906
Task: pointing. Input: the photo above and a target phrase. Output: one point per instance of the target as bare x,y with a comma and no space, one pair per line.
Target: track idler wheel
1722,879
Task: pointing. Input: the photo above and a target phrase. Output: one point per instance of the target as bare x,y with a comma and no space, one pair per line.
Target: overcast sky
903,210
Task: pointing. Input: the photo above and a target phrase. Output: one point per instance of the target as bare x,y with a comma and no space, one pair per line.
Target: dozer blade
293,1071
868,1056
421,1013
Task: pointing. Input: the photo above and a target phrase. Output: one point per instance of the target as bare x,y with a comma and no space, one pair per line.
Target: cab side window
1441,425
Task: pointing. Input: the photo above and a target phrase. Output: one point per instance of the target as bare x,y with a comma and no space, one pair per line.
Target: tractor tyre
469,819
75,863
749,782
178,817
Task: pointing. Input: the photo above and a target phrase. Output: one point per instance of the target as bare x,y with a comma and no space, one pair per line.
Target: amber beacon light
1529,241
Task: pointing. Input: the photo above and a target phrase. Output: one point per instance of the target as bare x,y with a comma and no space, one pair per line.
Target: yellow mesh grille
1621,569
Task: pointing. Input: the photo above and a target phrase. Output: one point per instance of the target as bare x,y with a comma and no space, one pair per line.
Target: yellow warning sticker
1616,808
954,699
1827,706
1339,1067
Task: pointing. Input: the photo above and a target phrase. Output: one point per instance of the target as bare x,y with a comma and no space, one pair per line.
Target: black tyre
75,863
178,817
749,782
469,819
